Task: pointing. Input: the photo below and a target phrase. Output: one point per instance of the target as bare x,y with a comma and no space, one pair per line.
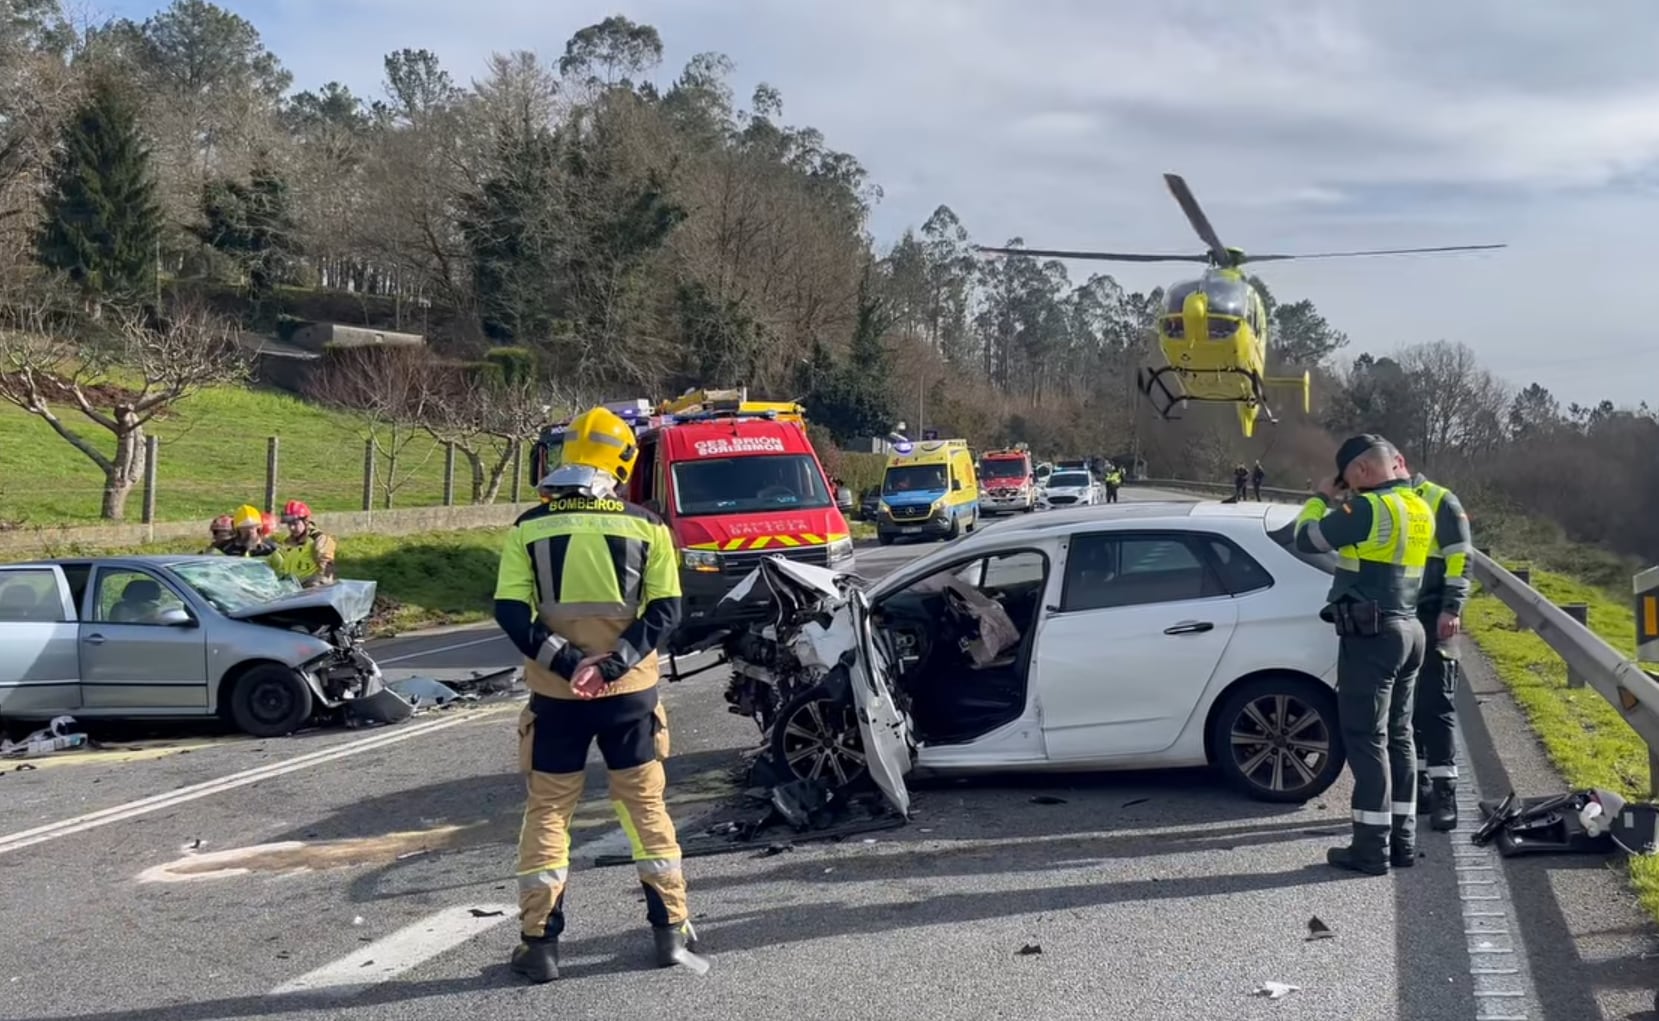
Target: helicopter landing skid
1167,404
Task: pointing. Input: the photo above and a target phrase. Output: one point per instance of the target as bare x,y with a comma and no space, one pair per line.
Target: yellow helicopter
1213,330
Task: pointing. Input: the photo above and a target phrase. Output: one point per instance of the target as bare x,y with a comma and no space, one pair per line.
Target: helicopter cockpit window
1177,294
1227,297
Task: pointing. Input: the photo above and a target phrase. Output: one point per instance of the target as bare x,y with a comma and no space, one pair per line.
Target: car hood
344,602
1066,490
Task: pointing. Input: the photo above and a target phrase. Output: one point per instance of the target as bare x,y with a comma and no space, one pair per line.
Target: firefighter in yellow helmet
248,542
589,591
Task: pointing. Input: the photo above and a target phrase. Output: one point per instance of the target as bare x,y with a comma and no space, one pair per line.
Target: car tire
818,709
884,538
269,700
1268,770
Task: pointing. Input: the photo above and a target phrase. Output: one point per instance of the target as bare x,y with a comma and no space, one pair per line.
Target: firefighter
248,542
589,591
307,555
1440,611
222,531
1382,534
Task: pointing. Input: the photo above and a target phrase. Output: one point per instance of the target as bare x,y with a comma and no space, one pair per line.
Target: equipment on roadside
1214,330
1586,821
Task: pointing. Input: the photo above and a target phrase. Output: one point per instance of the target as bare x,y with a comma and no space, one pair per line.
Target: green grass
212,458
1585,737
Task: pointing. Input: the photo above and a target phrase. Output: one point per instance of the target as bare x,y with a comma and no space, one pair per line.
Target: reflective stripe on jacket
1382,539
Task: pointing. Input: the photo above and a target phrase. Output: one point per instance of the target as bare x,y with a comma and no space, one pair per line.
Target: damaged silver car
181,636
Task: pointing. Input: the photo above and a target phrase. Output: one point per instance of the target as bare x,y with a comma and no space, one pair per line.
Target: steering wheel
775,493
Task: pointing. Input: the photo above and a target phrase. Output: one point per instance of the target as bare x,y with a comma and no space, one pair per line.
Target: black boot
1443,805
1425,794
537,959
677,944
1402,857
1345,858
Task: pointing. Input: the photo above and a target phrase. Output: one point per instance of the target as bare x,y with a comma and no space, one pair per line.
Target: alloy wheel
821,742
1280,742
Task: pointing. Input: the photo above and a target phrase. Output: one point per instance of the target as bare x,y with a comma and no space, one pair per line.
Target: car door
135,653
889,748
1135,639
39,667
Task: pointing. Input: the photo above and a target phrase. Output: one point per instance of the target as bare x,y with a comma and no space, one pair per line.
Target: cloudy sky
1301,126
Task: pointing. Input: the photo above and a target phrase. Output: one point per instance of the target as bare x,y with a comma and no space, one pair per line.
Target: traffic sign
1647,615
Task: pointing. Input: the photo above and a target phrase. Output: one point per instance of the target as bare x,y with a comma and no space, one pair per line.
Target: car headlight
841,549
706,561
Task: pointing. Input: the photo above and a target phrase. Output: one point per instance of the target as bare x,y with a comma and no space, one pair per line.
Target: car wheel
816,737
269,701
884,538
1277,739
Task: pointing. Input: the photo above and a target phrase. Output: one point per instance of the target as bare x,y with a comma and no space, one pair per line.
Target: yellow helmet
598,444
247,516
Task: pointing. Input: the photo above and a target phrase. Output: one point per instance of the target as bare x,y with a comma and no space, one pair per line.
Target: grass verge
1585,737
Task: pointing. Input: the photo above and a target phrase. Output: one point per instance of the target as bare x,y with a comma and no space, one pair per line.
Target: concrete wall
24,543
317,336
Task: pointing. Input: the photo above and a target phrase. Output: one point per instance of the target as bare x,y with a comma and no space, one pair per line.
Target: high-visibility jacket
1445,579
1382,539
583,576
312,557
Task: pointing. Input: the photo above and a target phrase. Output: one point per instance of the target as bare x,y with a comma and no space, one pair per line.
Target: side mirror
844,499
176,617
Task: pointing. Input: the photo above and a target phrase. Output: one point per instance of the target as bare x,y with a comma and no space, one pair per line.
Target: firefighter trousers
554,737
1434,721
1376,676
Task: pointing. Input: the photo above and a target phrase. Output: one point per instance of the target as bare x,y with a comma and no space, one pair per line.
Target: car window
1022,567
128,596
29,595
1106,569
1238,570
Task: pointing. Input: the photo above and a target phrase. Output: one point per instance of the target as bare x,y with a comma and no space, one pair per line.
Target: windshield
914,478
1225,297
1068,480
1003,468
232,584
743,485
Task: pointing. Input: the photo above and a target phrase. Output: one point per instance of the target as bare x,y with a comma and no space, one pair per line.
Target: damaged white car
1127,636
181,636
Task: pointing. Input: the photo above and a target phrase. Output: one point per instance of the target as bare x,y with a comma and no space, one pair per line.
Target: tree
609,53
100,222
1301,337
1534,411
253,225
390,391
119,377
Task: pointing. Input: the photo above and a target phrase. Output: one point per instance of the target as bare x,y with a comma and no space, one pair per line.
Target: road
362,870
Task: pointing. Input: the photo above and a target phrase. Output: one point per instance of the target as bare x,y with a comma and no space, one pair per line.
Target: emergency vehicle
929,490
1007,481
736,480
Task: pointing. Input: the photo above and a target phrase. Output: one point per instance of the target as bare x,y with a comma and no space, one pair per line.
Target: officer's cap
1356,447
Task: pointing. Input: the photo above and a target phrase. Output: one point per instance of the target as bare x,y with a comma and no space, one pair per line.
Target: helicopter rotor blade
1377,251
1195,216
1055,253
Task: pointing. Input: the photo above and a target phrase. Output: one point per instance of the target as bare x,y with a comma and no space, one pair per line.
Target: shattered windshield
233,584
744,485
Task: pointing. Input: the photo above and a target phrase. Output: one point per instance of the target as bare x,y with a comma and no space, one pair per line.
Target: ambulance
1007,481
928,490
736,480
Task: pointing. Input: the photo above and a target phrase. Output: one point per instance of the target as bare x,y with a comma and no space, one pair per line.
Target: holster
1354,619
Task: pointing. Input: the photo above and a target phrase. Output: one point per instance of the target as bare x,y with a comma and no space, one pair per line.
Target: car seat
139,602
20,603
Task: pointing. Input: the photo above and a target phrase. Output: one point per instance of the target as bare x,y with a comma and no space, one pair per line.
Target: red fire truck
1007,482
736,480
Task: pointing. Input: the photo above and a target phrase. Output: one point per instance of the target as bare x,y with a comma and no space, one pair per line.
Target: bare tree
390,392
489,422
119,377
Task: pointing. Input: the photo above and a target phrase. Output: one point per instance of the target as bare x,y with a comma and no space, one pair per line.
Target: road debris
1585,821
1319,930
1275,990
1047,799
54,737
1029,950
481,913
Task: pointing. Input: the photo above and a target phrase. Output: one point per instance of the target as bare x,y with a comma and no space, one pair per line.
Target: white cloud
1301,125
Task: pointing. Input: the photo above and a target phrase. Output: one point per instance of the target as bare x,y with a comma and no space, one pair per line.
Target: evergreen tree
100,218
253,224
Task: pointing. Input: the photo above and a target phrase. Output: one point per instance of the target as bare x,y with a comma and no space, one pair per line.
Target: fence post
270,474
518,469
1581,613
368,475
152,454
449,474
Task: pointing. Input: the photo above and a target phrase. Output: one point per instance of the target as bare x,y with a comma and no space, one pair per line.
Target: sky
1300,126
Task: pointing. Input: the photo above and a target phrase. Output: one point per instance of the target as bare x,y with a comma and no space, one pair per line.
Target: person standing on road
248,542
589,590
1114,479
1241,476
307,555
1257,474
1382,535
1440,611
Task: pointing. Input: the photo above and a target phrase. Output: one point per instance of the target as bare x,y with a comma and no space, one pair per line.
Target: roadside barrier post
1581,613
1523,574
271,444
1646,587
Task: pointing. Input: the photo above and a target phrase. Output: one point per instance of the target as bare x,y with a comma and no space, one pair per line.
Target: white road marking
411,945
143,806
442,648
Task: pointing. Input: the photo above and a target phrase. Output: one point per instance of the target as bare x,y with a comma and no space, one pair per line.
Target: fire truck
736,480
1007,481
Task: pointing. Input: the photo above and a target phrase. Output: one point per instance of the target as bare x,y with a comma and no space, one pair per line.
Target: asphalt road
362,870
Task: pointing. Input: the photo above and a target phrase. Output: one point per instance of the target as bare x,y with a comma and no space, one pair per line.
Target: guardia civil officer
1382,534
1440,611
589,591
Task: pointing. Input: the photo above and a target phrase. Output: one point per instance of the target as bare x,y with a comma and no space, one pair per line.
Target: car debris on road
402,699
54,737
1585,821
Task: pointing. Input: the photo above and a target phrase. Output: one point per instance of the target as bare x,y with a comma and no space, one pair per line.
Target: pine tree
100,219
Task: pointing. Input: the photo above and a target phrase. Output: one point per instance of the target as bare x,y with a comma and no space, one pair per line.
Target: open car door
888,747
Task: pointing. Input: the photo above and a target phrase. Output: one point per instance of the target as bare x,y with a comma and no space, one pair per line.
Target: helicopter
1214,330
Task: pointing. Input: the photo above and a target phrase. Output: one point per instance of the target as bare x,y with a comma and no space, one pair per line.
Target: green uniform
1382,539
582,576
1445,590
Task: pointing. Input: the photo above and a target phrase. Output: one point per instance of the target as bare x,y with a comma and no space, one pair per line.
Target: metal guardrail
1633,691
